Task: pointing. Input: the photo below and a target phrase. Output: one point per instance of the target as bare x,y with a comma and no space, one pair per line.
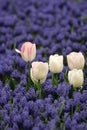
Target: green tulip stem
66,77
39,90
54,79
29,79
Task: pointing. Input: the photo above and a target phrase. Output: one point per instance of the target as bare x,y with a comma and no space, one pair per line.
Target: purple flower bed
55,26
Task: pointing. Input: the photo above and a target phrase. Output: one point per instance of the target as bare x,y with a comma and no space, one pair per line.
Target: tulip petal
23,49
18,51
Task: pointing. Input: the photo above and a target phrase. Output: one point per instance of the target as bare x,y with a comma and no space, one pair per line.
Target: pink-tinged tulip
75,60
28,51
76,78
39,72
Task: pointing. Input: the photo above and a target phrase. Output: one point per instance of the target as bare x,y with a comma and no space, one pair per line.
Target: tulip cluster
39,70
56,27
76,62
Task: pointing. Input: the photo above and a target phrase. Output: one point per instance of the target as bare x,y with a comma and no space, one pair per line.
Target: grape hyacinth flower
55,66
57,27
75,60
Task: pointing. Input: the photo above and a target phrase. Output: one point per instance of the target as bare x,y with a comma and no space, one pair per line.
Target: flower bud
75,60
76,77
39,71
56,63
28,51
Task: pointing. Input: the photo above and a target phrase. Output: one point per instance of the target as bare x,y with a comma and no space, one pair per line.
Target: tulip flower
55,66
38,75
39,72
28,51
56,63
75,60
76,78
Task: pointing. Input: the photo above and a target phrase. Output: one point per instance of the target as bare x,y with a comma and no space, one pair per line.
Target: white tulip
75,60
28,51
76,78
56,63
39,71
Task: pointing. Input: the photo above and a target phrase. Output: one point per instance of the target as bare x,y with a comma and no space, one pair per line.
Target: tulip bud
39,72
75,60
56,63
28,51
76,78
